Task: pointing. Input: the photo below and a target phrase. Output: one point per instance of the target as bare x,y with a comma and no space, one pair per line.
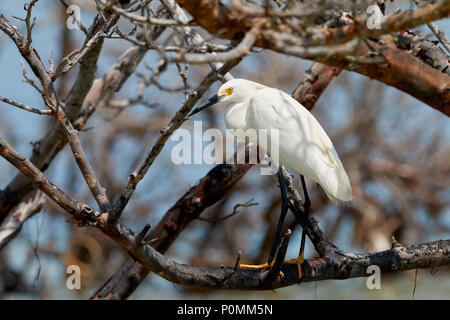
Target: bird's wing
303,144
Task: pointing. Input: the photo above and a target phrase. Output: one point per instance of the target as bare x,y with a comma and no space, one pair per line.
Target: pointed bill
212,101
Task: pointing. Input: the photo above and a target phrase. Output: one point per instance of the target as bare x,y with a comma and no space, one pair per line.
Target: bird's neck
236,116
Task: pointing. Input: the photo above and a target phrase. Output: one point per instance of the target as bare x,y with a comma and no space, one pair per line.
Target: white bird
303,144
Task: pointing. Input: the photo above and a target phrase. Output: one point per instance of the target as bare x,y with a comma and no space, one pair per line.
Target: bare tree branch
25,107
395,71
80,103
242,49
19,214
440,35
174,124
335,265
316,80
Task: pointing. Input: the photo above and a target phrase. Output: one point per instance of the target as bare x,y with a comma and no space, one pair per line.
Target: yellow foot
259,266
299,261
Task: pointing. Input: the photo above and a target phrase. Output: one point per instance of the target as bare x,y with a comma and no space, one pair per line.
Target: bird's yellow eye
226,92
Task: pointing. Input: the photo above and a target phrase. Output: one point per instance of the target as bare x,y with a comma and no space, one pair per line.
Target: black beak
213,100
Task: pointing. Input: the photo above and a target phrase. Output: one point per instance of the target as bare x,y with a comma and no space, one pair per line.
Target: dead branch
80,103
175,123
19,214
396,71
334,264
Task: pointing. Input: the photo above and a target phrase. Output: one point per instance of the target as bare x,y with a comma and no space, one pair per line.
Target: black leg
307,203
284,210
307,206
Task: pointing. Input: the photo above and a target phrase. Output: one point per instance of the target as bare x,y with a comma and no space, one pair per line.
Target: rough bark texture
314,83
333,265
401,69
207,192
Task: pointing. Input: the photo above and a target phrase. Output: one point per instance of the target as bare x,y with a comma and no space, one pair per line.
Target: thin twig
440,35
136,176
97,190
25,107
30,81
138,18
29,24
73,58
183,75
235,211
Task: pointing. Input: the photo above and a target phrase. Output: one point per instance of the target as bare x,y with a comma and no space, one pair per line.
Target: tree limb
396,71
19,214
174,124
331,266
81,102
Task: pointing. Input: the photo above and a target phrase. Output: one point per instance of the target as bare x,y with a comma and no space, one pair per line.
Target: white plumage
303,144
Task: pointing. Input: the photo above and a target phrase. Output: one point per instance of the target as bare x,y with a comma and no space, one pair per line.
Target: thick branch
21,213
404,72
316,80
218,18
342,266
401,69
206,193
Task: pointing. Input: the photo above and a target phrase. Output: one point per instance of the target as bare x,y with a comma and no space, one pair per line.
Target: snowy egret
303,144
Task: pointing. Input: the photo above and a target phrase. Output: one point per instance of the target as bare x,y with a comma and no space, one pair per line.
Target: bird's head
236,90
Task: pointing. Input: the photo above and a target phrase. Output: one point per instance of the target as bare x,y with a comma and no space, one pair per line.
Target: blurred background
395,149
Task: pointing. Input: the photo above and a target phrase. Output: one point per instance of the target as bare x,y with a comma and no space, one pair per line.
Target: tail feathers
338,188
335,180
338,201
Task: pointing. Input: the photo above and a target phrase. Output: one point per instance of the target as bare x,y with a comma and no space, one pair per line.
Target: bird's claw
299,261
259,266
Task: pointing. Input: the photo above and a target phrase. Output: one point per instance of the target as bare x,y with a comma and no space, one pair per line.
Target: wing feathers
303,144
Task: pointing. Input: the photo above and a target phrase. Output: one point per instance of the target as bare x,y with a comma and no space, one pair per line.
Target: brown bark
314,83
333,263
207,192
404,72
401,69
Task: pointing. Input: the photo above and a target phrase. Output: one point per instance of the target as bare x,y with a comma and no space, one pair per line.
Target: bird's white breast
236,116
